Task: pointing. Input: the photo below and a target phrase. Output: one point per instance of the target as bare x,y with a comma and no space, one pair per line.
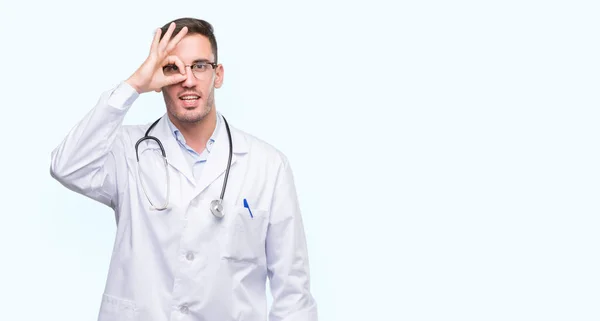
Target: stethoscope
216,206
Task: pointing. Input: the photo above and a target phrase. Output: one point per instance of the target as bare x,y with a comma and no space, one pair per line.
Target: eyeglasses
199,69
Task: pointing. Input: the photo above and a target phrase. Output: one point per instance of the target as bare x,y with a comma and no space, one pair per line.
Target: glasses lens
202,71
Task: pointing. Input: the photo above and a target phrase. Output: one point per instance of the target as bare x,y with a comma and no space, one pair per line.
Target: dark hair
194,26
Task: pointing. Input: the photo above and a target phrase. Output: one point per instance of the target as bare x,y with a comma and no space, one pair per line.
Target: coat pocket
245,235
117,309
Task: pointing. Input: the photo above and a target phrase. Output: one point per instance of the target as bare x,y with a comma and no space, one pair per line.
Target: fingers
155,41
166,44
158,59
176,39
174,60
174,79
165,40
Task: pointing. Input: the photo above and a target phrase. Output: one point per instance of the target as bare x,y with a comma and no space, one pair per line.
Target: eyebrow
200,60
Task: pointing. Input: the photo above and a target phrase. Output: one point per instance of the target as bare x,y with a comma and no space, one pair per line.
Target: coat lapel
175,156
216,163
217,160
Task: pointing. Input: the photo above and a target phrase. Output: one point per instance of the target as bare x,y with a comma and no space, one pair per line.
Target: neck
197,134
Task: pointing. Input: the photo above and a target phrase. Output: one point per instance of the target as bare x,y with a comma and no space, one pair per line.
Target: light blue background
446,153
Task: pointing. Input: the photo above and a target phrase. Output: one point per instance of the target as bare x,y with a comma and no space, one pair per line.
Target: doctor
194,240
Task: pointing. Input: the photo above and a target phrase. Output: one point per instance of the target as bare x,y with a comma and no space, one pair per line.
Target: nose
190,79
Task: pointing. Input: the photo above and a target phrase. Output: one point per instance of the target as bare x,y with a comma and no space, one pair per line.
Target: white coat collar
217,160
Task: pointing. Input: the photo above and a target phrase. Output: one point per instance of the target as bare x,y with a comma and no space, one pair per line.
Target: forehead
193,47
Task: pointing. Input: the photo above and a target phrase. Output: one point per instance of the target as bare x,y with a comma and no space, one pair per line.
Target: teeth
189,97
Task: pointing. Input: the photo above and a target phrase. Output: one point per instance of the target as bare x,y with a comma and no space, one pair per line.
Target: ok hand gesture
149,76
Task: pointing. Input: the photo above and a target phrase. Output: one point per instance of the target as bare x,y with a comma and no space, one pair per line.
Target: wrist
131,81
123,96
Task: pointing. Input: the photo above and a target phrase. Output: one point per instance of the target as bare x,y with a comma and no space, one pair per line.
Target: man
185,261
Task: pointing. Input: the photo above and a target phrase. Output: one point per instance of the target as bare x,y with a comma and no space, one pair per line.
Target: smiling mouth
189,97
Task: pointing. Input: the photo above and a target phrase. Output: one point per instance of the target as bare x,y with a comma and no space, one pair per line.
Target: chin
191,114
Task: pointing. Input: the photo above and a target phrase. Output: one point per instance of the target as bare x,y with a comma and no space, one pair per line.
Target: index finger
170,60
175,78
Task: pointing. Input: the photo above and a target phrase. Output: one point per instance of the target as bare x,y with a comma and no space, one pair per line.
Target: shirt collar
179,136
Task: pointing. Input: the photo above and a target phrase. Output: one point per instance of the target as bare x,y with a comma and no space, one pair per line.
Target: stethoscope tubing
162,150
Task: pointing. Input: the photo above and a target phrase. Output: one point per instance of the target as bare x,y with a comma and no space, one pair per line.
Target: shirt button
184,309
189,256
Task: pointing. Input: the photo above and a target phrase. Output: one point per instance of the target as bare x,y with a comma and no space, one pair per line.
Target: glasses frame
214,66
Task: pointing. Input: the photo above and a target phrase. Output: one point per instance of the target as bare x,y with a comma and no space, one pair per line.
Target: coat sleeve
90,159
287,255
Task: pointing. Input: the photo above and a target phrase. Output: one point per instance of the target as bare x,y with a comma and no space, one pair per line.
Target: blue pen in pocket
248,207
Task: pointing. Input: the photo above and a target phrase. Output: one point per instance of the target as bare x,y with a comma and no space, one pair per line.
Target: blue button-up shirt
195,160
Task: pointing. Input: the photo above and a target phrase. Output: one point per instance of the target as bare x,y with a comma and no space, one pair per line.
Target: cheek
169,94
209,86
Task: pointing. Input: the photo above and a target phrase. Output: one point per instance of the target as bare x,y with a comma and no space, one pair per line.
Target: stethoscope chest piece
217,209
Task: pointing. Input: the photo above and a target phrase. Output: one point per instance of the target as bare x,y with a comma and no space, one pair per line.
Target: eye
170,68
199,66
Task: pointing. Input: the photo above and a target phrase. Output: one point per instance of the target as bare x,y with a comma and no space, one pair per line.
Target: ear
219,75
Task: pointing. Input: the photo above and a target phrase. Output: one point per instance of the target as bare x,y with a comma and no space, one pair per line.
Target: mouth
189,97
189,100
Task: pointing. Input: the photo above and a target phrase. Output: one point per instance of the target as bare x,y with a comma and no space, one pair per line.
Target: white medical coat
183,263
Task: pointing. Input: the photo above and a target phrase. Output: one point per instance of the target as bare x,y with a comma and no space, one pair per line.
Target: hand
149,76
